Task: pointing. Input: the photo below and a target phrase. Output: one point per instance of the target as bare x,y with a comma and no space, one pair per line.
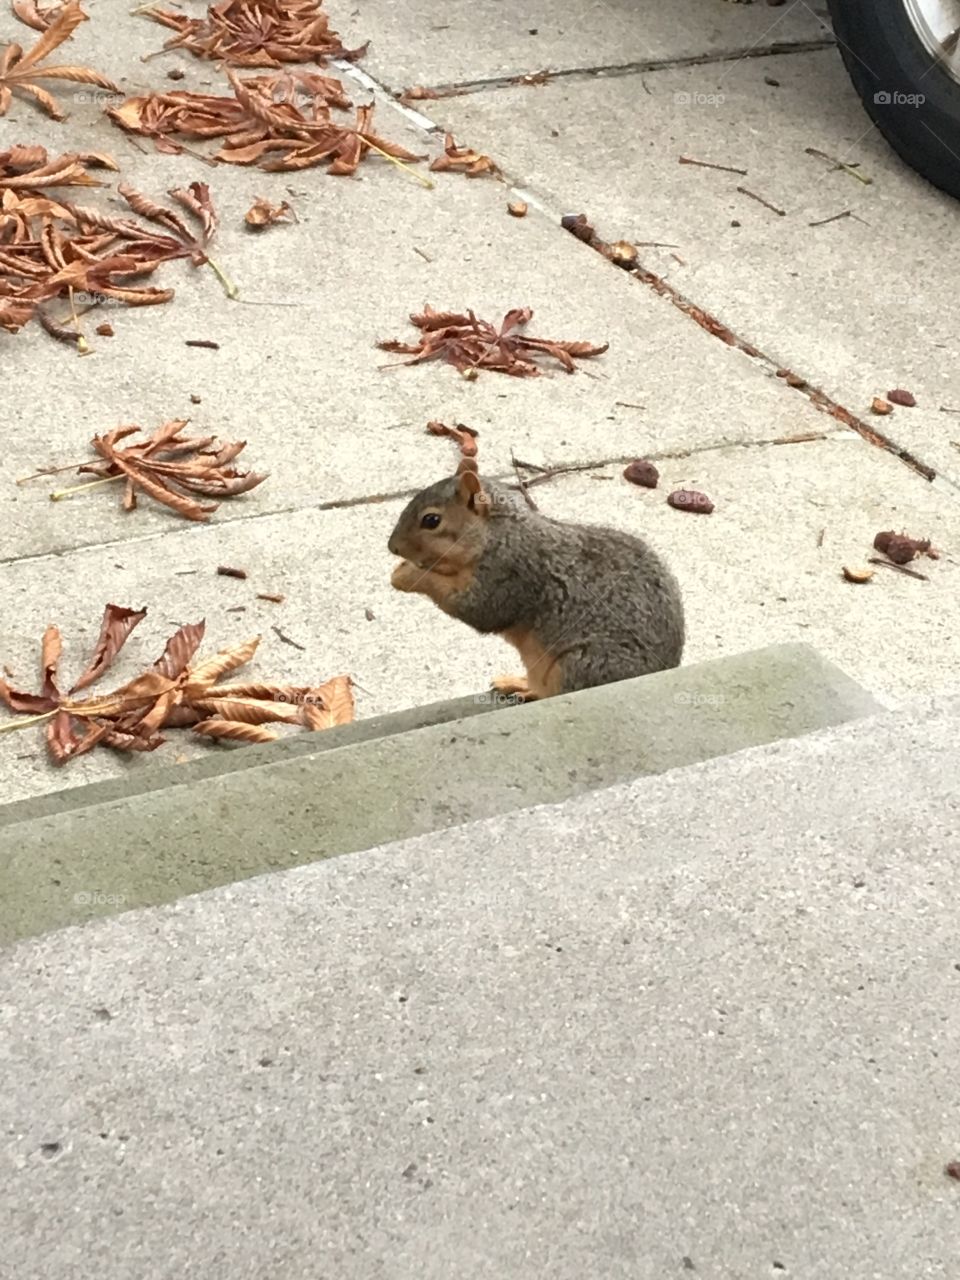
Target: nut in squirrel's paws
406,576
513,686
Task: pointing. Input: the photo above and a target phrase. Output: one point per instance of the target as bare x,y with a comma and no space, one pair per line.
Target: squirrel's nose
392,545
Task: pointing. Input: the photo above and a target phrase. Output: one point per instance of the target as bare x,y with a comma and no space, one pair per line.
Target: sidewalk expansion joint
455,89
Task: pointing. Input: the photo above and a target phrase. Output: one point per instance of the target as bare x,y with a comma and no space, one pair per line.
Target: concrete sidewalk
699,1023
298,376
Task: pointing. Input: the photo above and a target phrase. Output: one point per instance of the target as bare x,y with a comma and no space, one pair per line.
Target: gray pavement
297,374
704,1023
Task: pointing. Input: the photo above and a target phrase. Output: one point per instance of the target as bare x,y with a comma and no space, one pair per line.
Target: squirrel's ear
469,488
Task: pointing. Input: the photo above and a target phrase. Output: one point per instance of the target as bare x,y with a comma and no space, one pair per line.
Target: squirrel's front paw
406,576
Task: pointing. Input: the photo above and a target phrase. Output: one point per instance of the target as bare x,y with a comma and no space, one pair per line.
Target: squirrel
582,604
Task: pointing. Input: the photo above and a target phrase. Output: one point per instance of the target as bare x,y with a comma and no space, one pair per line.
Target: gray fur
601,600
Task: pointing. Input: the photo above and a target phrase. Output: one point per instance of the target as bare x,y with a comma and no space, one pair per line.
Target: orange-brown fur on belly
544,676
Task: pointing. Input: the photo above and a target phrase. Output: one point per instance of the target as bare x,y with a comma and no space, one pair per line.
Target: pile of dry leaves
257,33
281,122
162,467
170,694
19,71
51,247
471,344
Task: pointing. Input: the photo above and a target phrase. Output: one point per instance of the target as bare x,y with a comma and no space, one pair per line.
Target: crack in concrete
819,398
452,89
396,495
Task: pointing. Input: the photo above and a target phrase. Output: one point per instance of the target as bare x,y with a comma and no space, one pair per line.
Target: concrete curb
145,847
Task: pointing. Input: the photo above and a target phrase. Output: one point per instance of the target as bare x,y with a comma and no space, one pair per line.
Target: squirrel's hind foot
513,686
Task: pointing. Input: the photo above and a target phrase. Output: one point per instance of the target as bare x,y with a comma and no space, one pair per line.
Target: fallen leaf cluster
20,71
170,694
471,344
464,160
257,33
162,467
50,247
267,121
466,437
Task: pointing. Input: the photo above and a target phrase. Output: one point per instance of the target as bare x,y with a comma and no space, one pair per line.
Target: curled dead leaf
264,214
466,437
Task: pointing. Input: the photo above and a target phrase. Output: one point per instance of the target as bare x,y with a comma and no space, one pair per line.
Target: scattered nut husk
517,208
857,575
880,407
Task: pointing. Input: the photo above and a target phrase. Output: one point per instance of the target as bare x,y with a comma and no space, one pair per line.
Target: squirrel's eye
430,521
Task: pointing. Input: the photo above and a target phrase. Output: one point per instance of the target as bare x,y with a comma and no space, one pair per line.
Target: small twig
820,537
13,725
708,164
286,639
202,342
272,596
653,244
835,218
522,483
566,469
81,488
626,404
422,254
852,169
781,213
226,571
530,466
229,288
945,408
899,568
424,182
50,471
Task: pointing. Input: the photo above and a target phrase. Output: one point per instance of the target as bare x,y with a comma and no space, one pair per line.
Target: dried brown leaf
179,650
235,731
205,673
264,214
246,710
336,705
471,344
115,628
19,70
464,436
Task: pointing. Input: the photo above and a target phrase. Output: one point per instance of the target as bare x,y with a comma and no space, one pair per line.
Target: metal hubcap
937,23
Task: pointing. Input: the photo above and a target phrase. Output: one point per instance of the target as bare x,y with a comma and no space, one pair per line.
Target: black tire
890,66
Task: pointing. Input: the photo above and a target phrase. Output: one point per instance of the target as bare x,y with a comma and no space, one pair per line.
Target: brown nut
643,473
690,500
900,396
857,575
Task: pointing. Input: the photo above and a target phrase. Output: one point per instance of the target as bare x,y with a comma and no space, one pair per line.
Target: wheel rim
937,23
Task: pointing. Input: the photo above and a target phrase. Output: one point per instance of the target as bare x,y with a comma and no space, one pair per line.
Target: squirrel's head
445,526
